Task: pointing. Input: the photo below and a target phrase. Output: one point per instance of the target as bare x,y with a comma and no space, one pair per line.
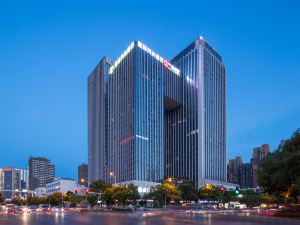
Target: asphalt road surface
142,218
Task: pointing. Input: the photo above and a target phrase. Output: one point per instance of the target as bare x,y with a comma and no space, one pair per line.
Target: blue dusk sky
47,50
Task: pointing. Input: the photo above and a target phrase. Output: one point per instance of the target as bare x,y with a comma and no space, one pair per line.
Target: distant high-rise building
41,172
234,170
10,182
258,154
24,176
149,118
83,174
246,175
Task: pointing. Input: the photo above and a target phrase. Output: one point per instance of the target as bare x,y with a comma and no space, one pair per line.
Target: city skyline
44,62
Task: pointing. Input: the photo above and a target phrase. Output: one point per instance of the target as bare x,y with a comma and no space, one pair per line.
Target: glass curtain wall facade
150,119
201,122
98,120
10,182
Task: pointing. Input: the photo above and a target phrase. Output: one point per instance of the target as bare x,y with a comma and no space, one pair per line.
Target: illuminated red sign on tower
166,64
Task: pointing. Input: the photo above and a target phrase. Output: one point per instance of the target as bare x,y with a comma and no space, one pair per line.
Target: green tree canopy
229,196
210,192
18,201
133,193
1,199
107,195
57,198
120,194
250,198
37,200
279,172
163,192
98,186
188,192
92,199
74,199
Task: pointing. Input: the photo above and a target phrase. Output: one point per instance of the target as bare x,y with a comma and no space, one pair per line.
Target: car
45,208
15,210
32,208
57,209
3,209
25,209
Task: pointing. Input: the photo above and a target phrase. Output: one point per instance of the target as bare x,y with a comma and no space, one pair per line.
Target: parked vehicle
44,208
15,210
57,209
25,209
32,208
3,209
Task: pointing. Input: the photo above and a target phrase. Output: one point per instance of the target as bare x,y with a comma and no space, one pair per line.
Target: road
140,218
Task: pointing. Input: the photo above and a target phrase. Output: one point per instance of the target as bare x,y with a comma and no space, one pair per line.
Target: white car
57,209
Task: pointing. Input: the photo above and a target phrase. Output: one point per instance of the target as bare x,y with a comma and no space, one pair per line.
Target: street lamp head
82,180
111,174
169,180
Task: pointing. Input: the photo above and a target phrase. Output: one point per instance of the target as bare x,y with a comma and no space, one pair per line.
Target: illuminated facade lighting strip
159,58
142,137
148,50
117,62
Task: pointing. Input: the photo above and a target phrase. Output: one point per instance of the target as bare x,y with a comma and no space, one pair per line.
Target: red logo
166,63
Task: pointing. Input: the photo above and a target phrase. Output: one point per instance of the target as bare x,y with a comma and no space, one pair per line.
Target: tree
121,194
164,193
250,198
107,195
270,199
144,199
188,192
91,199
18,201
157,195
279,172
229,196
271,174
173,193
56,198
133,193
74,199
210,192
98,186
1,199
37,200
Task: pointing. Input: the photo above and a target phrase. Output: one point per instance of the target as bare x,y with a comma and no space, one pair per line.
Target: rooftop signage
165,63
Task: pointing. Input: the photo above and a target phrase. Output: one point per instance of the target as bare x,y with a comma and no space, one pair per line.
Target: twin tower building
151,119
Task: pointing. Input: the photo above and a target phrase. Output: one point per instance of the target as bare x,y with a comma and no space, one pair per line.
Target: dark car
44,208
32,208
